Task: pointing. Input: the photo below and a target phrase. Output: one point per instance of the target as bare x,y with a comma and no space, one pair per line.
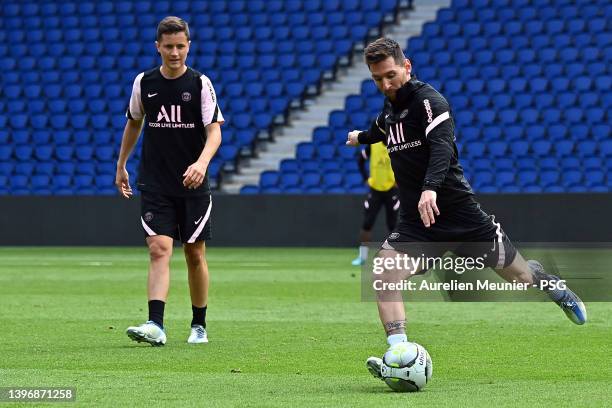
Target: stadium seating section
528,80
68,69
530,86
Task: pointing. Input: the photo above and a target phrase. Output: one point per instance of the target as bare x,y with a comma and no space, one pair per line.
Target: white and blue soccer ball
406,367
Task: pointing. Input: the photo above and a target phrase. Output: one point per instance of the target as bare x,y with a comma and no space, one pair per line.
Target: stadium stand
68,67
529,82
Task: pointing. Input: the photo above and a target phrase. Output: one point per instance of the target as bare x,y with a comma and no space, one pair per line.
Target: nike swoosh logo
151,95
198,221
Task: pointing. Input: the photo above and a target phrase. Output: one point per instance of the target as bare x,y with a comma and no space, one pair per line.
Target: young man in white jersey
182,131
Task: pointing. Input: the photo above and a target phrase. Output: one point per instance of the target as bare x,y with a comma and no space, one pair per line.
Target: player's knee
194,255
194,260
159,251
391,265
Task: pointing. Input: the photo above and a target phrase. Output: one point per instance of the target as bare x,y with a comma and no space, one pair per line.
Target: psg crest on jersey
186,96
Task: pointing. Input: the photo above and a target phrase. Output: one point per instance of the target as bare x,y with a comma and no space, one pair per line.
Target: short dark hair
172,25
382,49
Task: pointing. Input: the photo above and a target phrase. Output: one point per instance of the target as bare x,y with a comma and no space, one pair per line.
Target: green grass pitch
287,328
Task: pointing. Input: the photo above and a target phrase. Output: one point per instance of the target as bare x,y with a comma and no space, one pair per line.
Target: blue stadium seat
549,178
353,180
85,168
519,148
517,85
321,135
475,149
18,182
587,147
332,180
527,177
535,133
289,179
305,151
508,116
593,163
269,179
338,119
497,148
487,116
289,165
353,103
564,148
327,166
571,177
346,153
6,167
601,132
24,168
311,179
249,189
594,178
529,116
481,163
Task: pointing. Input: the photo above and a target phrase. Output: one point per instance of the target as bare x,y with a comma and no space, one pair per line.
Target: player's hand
193,177
352,139
427,207
122,181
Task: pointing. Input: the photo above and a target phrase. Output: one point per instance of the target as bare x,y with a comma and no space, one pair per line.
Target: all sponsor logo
170,118
175,114
397,136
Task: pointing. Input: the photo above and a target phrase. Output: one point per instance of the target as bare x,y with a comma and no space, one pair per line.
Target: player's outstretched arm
194,176
130,137
375,134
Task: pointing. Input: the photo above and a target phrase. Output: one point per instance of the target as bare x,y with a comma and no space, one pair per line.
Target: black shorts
183,218
375,201
466,231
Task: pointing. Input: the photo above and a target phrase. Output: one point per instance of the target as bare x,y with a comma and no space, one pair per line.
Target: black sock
156,312
199,316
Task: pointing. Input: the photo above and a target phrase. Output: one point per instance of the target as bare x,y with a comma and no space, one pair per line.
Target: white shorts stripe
203,222
386,245
147,228
500,243
441,118
396,206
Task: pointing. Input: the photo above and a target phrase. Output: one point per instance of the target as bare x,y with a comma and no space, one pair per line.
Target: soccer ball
406,367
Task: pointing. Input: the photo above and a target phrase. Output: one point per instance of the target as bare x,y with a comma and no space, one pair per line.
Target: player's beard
391,94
